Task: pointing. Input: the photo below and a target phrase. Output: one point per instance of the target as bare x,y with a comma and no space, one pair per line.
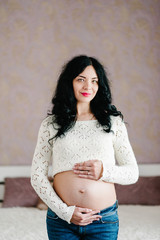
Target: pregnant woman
86,139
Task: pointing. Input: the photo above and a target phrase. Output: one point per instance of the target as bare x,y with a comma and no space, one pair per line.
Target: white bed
137,222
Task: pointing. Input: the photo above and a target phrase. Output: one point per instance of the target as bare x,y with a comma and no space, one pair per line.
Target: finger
79,164
95,219
80,172
87,211
88,163
91,219
86,176
84,168
92,213
91,162
84,210
85,223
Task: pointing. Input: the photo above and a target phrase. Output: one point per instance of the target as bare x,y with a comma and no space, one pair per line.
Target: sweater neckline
86,121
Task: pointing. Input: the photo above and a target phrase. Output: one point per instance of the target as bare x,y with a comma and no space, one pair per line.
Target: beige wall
37,37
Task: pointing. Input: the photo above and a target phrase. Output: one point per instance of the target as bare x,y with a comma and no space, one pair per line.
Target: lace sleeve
126,172
39,175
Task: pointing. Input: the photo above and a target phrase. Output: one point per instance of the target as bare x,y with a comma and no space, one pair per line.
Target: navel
81,190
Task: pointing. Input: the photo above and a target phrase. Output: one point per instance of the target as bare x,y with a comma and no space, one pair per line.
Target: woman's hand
84,216
91,169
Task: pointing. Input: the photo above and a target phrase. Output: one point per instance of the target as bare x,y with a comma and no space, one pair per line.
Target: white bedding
139,222
136,223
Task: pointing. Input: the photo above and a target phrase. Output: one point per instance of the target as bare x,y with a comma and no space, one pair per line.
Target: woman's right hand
84,216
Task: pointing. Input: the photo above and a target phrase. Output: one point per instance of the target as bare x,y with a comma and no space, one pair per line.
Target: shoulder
47,124
116,122
48,121
119,128
46,129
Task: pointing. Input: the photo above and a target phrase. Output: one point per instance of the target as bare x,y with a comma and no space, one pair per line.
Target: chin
85,99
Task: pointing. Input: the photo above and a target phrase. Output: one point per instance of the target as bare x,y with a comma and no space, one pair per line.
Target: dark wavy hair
65,104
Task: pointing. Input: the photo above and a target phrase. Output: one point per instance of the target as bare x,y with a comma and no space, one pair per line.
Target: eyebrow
85,77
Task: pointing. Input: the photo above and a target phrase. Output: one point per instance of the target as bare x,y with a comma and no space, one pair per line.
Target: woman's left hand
91,169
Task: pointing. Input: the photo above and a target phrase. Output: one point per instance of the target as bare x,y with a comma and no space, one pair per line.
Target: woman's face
85,85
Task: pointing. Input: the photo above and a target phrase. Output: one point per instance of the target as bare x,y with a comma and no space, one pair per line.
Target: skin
86,83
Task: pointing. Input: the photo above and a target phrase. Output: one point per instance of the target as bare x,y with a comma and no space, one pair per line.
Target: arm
126,172
39,175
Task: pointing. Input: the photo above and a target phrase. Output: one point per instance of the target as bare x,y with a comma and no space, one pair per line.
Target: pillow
19,193
145,192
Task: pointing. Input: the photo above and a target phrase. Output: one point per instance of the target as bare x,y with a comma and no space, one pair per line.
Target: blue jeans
105,228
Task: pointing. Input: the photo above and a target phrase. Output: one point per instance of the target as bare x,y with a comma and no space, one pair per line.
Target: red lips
86,94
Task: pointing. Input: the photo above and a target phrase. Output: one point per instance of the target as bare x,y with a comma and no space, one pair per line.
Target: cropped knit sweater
85,141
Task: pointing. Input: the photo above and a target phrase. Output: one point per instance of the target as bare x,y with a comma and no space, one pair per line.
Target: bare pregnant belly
83,192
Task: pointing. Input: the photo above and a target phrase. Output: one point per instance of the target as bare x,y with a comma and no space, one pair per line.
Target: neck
83,108
84,112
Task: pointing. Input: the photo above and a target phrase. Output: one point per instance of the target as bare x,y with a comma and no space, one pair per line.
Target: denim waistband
111,208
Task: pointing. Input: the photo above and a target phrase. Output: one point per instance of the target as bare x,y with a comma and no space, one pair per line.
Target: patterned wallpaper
37,37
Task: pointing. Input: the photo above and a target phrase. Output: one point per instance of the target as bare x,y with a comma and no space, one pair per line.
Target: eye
80,79
95,81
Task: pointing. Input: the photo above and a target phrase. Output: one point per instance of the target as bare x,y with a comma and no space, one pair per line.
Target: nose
87,85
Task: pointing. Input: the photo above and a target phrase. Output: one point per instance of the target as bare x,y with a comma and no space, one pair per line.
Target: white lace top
85,141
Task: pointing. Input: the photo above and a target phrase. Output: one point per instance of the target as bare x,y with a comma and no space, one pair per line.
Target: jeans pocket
110,217
51,214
